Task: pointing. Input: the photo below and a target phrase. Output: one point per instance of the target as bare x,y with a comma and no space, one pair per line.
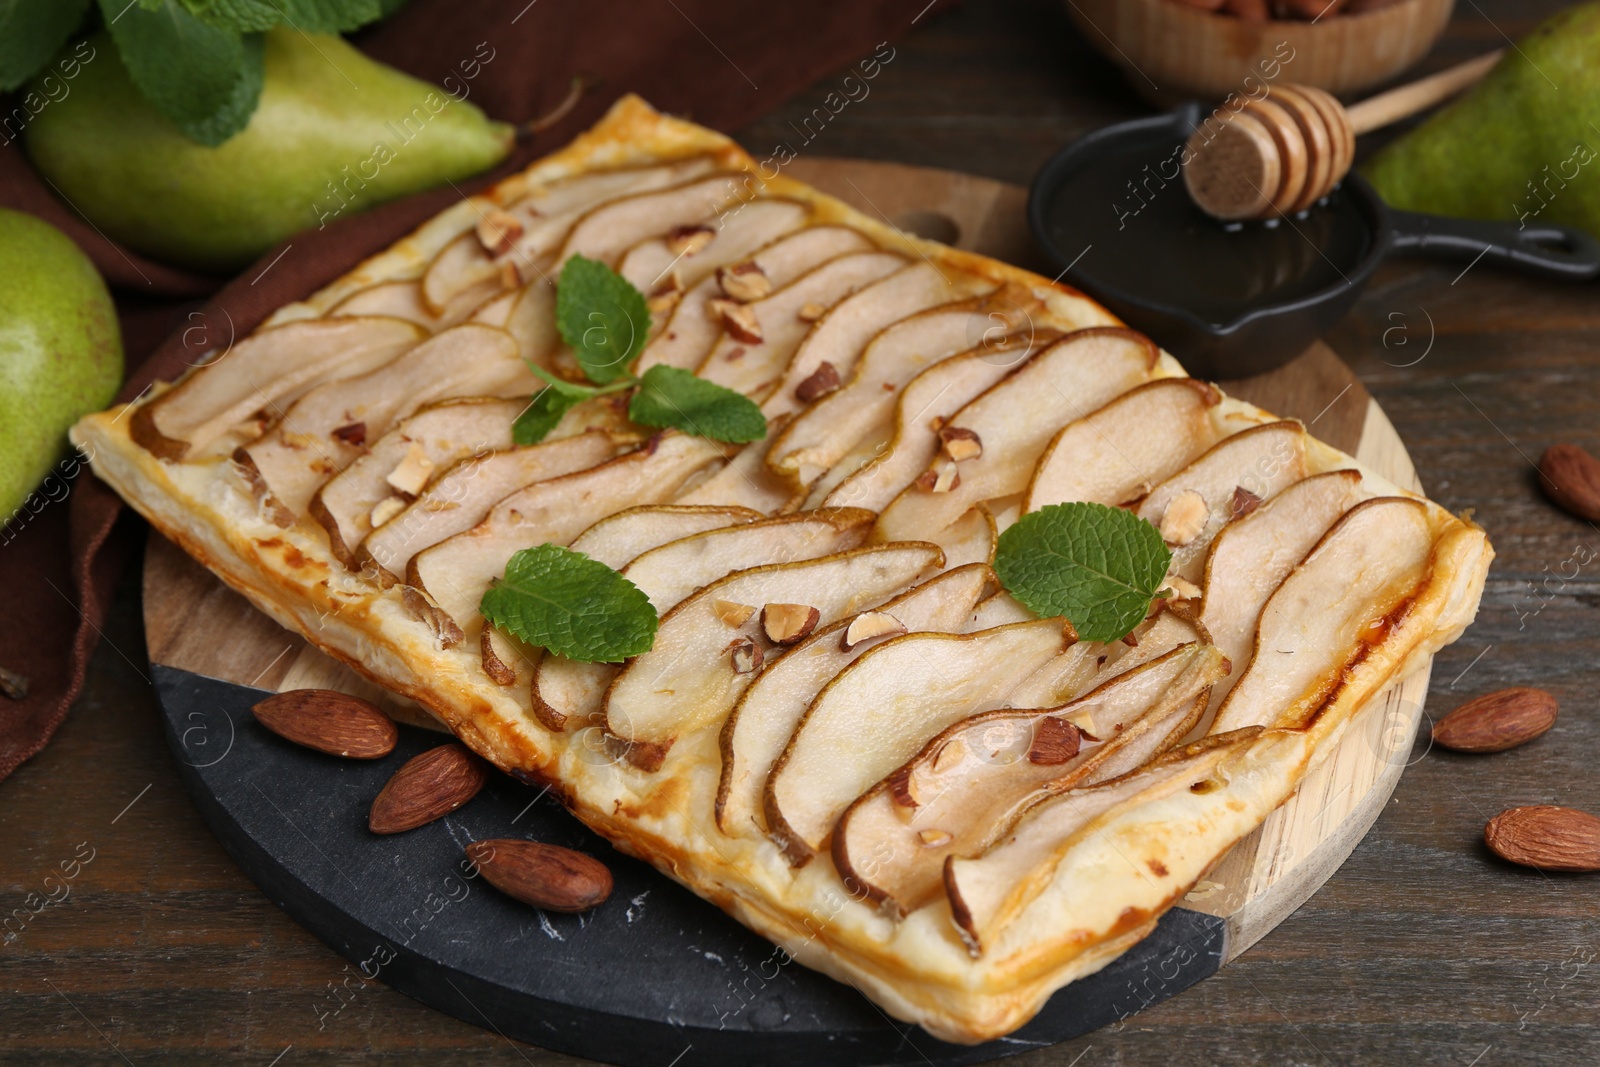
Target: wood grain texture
1421,950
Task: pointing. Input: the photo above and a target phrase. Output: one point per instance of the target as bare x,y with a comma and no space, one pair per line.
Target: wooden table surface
1422,949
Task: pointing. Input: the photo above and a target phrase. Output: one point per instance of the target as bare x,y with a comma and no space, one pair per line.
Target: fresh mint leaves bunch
552,597
198,62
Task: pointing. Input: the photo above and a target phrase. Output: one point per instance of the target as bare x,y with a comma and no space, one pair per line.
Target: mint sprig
563,601
605,321
1097,566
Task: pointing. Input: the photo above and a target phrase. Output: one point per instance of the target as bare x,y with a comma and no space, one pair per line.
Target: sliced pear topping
840,336
400,462
456,571
1319,624
745,482
463,275
460,497
821,436
612,228
617,539
974,780
396,300
1016,419
1264,460
686,682
760,724
1252,556
308,445
938,392
690,333
990,891
265,372
755,368
693,253
877,712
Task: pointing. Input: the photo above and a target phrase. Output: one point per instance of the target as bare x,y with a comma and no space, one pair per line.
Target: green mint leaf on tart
671,398
1099,567
542,415
601,317
563,601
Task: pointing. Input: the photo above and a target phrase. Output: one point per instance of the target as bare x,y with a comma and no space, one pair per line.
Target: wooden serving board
655,970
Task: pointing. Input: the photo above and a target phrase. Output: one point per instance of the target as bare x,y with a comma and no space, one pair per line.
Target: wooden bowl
1172,52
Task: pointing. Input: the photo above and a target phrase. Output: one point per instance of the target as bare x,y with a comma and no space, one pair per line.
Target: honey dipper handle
1396,104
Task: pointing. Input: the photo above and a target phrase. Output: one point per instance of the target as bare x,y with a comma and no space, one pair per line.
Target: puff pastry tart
845,734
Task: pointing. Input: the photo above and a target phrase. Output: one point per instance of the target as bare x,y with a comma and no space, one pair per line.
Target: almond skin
1546,837
546,876
1571,478
1497,721
429,786
329,721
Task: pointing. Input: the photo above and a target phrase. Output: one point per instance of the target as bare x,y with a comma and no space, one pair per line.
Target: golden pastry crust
917,968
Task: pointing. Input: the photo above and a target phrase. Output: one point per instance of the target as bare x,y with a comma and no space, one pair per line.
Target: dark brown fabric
719,62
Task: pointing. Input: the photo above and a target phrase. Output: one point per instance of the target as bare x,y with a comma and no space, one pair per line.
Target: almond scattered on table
1570,477
1497,721
329,721
546,876
427,787
1547,837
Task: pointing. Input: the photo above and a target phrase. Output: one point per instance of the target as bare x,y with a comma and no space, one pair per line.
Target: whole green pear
1523,145
60,350
335,132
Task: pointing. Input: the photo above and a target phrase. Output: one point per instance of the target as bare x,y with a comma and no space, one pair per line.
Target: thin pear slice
970,539
616,539
924,405
395,300
968,786
460,497
1128,447
762,721
431,440
611,229
745,482
733,236
688,680
545,216
1015,420
461,277
841,335
1261,461
531,319
877,713
830,428
754,367
990,891
265,372
1252,556
691,331
1325,615
457,570
326,429
565,690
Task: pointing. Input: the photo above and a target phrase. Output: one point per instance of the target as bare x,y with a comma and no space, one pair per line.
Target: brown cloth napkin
721,63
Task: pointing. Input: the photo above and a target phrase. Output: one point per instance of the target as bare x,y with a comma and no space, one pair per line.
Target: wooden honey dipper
1282,152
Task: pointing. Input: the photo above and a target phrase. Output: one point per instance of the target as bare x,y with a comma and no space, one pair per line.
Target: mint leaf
543,415
602,317
563,601
241,16
1099,567
329,16
672,398
30,33
201,77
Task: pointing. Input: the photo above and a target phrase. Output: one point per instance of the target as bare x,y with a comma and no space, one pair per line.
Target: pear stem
538,125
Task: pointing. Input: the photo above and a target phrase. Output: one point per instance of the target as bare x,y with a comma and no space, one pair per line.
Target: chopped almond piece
687,240
498,231
1055,741
412,472
747,656
902,792
739,320
354,434
933,838
811,312
1182,588
1244,502
960,443
1184,518
744,282
785,624
823,380
868,625
732,613
387,509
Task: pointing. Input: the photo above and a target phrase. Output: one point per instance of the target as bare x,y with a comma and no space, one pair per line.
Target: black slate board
654,976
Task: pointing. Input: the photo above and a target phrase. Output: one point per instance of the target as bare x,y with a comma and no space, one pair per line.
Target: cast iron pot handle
1546,250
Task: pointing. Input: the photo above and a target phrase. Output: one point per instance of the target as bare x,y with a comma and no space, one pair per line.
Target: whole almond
546,876
1497,721
1571,477
329,721
1546,837
429,786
